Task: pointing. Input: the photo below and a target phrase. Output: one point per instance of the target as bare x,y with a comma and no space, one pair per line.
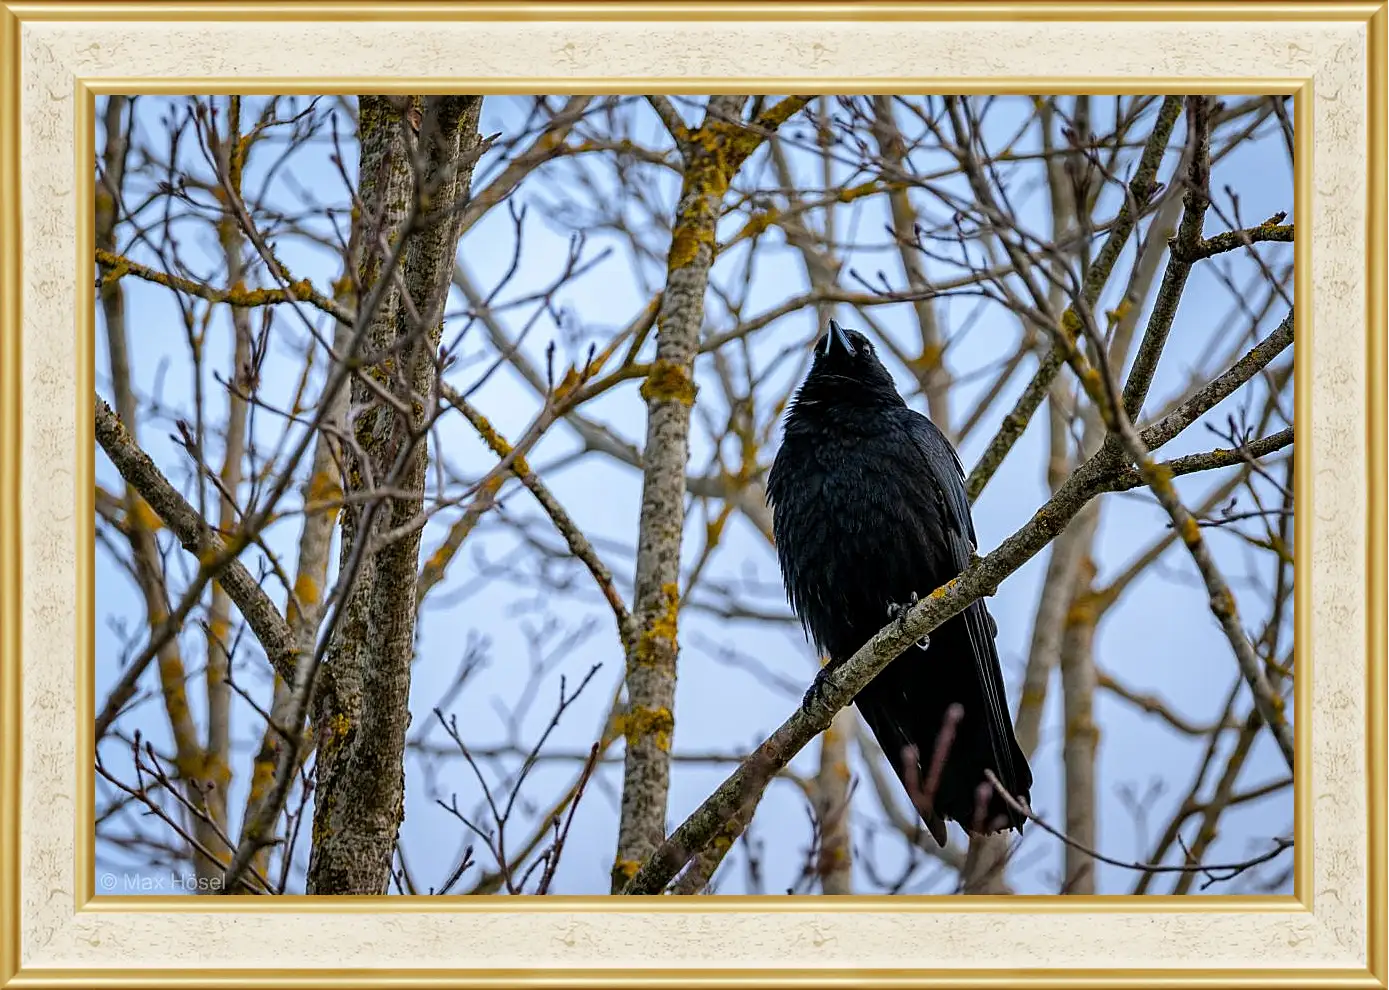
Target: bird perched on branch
869,511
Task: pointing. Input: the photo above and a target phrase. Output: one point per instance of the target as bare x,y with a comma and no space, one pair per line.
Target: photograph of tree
627,494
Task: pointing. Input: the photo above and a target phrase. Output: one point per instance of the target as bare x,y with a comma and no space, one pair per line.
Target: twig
1232,869
552,859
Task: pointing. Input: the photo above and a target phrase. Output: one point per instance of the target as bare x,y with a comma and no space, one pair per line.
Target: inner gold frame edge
10,434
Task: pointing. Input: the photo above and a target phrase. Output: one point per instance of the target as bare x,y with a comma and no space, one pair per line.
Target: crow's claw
900,613
817,688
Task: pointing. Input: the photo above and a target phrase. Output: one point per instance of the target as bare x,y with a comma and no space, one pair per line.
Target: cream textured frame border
55,56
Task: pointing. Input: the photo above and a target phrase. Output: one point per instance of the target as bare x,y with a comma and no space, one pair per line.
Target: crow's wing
941,465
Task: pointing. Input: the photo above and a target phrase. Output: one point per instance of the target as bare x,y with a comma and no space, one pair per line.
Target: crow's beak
836,335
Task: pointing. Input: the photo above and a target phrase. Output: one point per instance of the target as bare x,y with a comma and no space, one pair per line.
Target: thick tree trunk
713,154
362,711
669,392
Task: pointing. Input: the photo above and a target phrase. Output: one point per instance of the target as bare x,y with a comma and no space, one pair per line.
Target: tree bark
415,168
1078,678
835,864
713,154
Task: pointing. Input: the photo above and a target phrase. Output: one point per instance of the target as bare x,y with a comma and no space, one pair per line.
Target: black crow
869,511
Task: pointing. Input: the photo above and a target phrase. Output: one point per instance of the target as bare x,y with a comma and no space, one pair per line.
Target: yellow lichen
656,643
439,559
116,266
215,770
850,193
1083,611
685,244
145,517
571,380
1082,728
306,589
494,440
928,360
1160,478
626,868
1223,605
323,487
757,223
670,381
713,530
641,723
1070,324
262,773
217,631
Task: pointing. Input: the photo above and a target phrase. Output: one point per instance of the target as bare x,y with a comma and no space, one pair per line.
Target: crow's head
846,369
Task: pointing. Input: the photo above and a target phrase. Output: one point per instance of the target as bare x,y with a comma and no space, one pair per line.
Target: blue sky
1160,638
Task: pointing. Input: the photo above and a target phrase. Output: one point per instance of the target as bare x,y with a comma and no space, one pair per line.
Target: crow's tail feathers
942,723
947,782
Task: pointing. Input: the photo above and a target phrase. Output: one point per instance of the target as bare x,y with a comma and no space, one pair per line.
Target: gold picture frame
56,57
